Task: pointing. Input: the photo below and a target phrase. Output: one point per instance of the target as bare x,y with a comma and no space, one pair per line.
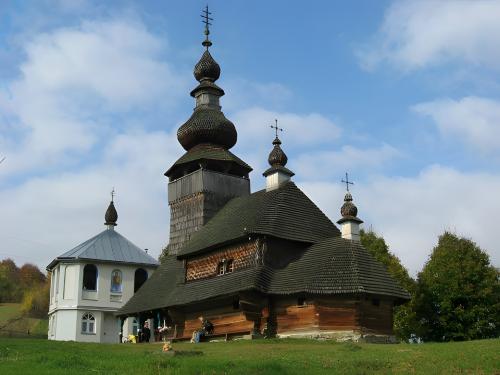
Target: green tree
35,301
458,293
10,290
404,316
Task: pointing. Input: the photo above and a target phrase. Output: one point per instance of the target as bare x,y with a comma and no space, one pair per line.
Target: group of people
144,334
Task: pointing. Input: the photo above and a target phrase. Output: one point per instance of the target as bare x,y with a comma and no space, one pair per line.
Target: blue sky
404,95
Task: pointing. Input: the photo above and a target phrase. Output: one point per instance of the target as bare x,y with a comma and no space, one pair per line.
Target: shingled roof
285,213
209,152
332,266
107,246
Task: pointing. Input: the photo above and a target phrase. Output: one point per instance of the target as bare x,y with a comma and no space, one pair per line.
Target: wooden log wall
243,255
292,317
336,314
224,323
376,319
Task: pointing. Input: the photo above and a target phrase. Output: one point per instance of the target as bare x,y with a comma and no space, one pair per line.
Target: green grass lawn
31,356
9,314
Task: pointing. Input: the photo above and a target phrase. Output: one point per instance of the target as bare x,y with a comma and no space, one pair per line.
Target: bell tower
208,175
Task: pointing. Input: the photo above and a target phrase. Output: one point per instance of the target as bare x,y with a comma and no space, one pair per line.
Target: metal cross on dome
275,127
113,194
206,19
346,181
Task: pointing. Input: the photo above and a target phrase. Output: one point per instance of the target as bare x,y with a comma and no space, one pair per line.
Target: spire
349,221
277,173
111,216
207,124
206,20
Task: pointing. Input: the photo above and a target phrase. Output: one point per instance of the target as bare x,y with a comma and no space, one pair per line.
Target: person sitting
146,332
207,328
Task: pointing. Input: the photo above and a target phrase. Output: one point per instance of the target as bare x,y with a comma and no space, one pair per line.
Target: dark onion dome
207,125
207,68
349,211
277,157
111,215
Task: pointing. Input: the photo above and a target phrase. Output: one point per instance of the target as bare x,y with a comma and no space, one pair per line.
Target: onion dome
349,211
207,125
277,157
111,215
207,68
277,160
348,208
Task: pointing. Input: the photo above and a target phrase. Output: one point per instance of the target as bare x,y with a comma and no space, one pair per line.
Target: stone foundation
340,336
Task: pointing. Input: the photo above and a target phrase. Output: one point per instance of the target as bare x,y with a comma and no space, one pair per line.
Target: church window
375,302
225,266
88,324
90,277
116,281
140,278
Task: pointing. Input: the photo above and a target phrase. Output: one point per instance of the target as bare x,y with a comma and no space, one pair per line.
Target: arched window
88,324
140,278
116,281
90,277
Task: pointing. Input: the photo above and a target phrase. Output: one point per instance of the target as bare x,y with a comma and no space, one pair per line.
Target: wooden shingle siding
243,256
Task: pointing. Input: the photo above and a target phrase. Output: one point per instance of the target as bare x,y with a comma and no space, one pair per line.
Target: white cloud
299,129
416,34
73,82
331,164
301,133
474,120
410,213
46,216
240,92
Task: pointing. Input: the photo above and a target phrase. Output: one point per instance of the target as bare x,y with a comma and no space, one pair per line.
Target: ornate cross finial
206,20
112,194
347,182
275,127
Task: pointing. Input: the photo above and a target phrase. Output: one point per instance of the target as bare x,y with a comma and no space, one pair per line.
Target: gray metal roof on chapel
108,246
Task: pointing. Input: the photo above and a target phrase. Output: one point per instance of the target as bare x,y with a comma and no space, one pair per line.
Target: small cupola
111,216
349,223
277,174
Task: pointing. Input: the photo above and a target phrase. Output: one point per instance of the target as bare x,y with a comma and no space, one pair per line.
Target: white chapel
94,280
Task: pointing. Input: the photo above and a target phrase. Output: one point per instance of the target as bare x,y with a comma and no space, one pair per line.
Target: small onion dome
348,208
277,157
207,68
349,211
111,215
207,125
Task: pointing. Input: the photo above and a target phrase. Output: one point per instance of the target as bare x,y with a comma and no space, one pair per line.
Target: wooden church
252,262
